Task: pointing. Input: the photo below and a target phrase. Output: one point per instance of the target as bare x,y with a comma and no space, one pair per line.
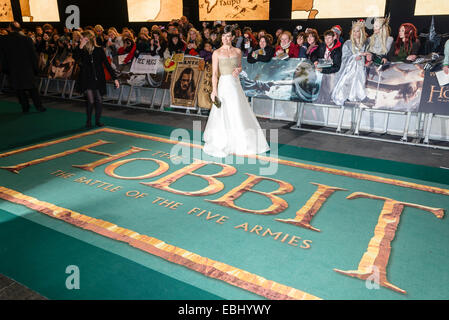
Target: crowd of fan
180,36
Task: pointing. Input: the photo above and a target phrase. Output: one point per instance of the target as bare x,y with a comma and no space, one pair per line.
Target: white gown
233,128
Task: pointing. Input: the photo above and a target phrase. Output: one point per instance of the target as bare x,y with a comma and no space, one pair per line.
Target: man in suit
20,63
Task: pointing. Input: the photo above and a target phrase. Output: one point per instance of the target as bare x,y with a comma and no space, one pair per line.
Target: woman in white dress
232,128
352,76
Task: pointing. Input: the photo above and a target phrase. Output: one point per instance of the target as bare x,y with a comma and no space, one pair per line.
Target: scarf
286,46
327,54
311,49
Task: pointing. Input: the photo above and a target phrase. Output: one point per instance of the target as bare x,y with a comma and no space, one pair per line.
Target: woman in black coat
263,52
91,80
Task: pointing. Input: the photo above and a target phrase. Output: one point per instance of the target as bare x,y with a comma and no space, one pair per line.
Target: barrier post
340,119
153,98
300,108
63,89
162,108
39,88
359,120
428,128
407,124
129,95
46,86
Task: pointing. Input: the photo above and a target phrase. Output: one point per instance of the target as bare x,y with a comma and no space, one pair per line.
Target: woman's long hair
198,39
358,43
410,37
179,47
384,33
114,31
92,43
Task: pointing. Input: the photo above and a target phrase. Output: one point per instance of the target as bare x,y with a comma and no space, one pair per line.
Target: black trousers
23,99
93,100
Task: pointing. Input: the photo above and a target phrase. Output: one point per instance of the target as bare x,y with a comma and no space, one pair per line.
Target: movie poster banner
395,87
185,82
6,14
435,98
153,10
205,89
229,10
290,80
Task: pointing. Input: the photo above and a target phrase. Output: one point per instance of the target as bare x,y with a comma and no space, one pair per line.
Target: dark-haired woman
232,128
175,44
91,80
157,44
407,45
263,52
313,41
301,42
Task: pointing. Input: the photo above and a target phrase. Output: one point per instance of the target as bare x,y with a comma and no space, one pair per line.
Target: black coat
269,53
91,74
19,60
336,56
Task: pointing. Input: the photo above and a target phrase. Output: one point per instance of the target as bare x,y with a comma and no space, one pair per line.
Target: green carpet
36,247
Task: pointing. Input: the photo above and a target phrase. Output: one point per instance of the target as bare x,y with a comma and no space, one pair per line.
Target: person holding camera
194,42
157,44
142,44
248,43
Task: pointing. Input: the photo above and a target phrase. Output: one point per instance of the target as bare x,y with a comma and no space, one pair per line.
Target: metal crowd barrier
422,129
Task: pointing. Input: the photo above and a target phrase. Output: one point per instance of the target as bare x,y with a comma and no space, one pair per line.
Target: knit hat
337,29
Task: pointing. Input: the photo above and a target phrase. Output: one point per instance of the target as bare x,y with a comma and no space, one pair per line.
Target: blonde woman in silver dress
232,128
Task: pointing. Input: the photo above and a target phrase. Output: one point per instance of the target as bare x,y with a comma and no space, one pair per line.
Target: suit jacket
19,60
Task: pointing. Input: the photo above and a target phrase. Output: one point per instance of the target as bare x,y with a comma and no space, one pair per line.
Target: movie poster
61,67
154,10
290,80
331,9
205,89
185,82
6,14
397,88
431,7
435,98
228,10
39,10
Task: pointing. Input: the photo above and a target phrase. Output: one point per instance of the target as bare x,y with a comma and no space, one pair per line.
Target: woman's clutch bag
217,102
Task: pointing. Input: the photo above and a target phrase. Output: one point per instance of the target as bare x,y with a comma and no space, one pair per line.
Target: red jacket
293,50
130,55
